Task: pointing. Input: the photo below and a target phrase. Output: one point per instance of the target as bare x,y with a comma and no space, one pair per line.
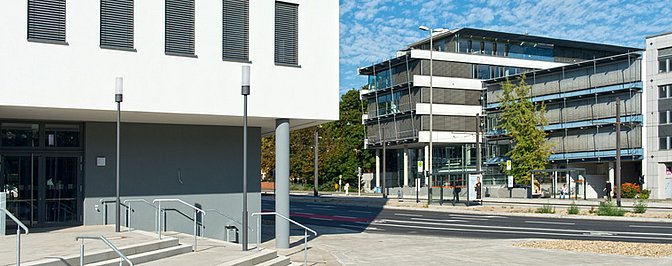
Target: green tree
341,147
522,120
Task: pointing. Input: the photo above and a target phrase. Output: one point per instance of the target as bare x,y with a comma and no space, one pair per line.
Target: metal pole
305,247
431,117
245,91
315,192
159,220
81,253
359,181
128,216
384,165
195,232
618,151
117,218
478,143
18,244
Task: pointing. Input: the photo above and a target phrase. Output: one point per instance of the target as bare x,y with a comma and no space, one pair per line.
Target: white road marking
408,214
474,216
650,226
438,220
346,217
543,222
355,211
323,219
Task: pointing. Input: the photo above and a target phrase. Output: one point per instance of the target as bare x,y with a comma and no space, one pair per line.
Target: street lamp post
118,97
618,152
431,101
245,91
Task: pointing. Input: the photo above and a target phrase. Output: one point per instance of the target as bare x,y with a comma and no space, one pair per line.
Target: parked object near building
181,123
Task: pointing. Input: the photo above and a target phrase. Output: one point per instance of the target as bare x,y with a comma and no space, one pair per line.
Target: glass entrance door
60,184
19,180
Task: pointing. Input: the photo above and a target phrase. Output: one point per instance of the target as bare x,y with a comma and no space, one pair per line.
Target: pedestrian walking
347,188
564,191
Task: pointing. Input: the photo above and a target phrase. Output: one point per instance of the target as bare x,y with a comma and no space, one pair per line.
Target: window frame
295,36
47,41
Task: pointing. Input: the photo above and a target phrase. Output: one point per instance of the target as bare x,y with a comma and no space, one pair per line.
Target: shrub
547,208
630,190
573,209
640,206
644,194
607,208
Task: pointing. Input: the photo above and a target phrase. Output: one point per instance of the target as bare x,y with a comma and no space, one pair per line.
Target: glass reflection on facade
20,135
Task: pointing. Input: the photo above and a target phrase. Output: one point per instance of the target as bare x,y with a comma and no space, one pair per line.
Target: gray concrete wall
201,165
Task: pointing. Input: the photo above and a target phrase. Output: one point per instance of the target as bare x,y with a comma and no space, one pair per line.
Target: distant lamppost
431,101
118,97
245,91
315,181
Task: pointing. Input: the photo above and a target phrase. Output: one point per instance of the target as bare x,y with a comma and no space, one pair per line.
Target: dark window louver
180,27
46,20
286,33
116,24
235,30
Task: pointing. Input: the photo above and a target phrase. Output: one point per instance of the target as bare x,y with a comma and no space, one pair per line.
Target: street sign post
508,165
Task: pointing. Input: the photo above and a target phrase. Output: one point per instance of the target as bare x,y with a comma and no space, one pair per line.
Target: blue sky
372,30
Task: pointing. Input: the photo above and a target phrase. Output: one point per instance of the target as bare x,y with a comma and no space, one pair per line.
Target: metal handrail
225,216
104,202
129,211
305,232
196,211
19,226
107,242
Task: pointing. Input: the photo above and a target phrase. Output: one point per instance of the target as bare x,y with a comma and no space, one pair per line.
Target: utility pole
618,151
478,143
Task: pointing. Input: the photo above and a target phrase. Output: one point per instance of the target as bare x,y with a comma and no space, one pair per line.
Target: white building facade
182,107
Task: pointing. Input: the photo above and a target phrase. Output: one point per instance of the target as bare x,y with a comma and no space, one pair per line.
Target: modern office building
580,102
182,109
659,109
398,95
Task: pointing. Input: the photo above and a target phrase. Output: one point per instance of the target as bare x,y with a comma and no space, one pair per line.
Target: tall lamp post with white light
118,97
245,91
431,101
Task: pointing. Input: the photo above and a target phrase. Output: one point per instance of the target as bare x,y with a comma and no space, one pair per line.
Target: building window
664,91
20,134
179,27
664,143
665,60
286,33
62,135
235,30
116,24
46,21
664,117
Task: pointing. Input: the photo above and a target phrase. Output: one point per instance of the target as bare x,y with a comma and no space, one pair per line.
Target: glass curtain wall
522,50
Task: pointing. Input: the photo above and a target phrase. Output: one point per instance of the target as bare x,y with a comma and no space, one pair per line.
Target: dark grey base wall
179,217
198,164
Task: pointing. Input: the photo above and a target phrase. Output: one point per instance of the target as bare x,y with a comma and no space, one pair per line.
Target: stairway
138,253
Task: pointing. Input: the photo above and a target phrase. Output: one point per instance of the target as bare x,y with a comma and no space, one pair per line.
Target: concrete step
148,256
253,259
279,261
106,253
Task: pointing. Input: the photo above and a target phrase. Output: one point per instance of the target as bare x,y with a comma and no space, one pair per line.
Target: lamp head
118,89
425,28
245,81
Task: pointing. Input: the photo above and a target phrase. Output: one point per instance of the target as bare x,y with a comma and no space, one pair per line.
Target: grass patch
573,209
608,208
640,206
547,208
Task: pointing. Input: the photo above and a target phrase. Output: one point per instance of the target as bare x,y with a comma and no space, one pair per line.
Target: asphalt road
336,218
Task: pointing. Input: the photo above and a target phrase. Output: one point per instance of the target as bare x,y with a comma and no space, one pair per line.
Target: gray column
282,182
3,216
405,166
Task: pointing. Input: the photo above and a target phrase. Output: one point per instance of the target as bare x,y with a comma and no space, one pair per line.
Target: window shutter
46,20
180,27
665,52
116,24
286,33
235,30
